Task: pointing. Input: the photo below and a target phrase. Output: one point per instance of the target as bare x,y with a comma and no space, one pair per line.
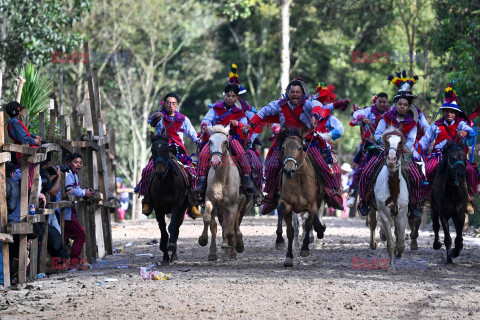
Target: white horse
223,196
391,195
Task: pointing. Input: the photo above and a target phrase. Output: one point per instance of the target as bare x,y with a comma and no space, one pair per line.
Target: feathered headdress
325,94
233,78
403,83
451,98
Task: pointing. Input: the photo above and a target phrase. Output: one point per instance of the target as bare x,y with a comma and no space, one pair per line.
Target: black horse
449,197
169,194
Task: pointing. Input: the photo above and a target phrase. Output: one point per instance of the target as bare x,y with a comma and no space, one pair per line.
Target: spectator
124,199
13,195
73,228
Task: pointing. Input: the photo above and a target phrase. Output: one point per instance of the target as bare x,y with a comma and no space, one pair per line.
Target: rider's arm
189,130
209,118
429,137
159,127
335,127
271,109
463,126
423,122
380,129
411,138
362,113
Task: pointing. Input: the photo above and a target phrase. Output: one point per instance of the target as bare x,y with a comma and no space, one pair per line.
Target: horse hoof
414,246
203,241
225,246
212,257
171,247
448,262
320,231
174,257
166,261
437,245
280,245
288,263
304,253
240,247
455,252
373,245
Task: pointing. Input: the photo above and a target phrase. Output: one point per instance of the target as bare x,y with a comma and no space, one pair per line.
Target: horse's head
394,142
160,153
454,162
218,144
291,149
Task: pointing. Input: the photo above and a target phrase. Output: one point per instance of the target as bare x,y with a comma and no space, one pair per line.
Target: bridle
454,165
295,161
217,153
397,153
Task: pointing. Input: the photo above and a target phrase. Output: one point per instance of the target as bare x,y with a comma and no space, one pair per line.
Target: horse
223,197
449,198
298,192
391,195
169,194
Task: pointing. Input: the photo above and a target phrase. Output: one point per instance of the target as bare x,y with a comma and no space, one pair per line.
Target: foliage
36,91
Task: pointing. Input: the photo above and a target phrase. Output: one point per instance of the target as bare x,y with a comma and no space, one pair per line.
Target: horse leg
238,234
305,251
447,240
296,227
436,227
373,225
280,242
458,221
223,220
230,234
163,237
288,221
400,226
414,226
173,228
319,227
203,239
388,233
213,245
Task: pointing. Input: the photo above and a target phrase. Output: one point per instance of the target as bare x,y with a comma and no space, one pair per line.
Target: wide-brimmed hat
346,167
300,81
404,85
451,100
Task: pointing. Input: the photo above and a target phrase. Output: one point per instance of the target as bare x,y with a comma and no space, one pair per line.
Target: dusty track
256,286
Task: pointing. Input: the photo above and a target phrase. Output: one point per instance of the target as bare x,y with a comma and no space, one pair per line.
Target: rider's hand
247,127
38,141
204,129
462,133
366,121
158,115
234,123
89,193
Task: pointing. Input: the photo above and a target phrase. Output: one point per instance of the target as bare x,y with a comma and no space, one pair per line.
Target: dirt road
325,285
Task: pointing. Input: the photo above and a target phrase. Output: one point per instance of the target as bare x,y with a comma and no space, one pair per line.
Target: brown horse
299,191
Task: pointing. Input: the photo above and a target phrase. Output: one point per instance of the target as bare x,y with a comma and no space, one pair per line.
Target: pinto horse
449,197
299,191
169,194
223,197
391,195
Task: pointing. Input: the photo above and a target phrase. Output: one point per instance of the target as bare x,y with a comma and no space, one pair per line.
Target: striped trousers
257,168
413,172
272,167
430,169
241,157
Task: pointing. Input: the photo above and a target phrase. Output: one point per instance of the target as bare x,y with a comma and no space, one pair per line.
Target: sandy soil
256,285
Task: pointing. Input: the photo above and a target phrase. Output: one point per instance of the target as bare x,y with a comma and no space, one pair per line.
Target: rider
167,120
369,117
296,111
226,112
454,125
402,118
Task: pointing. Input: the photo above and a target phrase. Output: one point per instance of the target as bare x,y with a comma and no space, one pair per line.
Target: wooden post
21,81
41,126
22,263
51,128
3,206
34,193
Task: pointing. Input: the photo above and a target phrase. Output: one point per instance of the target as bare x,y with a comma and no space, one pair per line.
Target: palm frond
36,91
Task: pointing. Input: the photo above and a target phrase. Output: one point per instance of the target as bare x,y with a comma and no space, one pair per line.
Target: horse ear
227,129
210,129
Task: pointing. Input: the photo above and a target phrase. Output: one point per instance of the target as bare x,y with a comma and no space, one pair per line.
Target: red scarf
290,120
233,114
404,126
174,128
447,132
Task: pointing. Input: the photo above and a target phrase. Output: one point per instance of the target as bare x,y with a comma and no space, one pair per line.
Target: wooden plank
5,237
43,251
66,145
36,218
59,204
33,259
37,158
41,125
53,121
22,265
20,148
3,206
5,157
47,147
22,228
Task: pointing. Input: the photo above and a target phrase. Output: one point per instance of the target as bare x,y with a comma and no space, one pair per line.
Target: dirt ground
256,285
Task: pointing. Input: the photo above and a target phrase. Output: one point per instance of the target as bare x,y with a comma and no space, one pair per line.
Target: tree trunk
3,36
285,53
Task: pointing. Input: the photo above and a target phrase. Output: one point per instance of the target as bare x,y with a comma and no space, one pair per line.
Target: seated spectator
73,228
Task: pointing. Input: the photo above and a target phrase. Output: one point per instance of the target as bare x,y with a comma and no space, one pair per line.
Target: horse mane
285,133
158,138
217,128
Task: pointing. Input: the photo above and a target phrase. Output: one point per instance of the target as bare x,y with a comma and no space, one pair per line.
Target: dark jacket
13,194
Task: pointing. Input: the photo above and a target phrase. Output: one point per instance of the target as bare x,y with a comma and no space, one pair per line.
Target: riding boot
414,211
363,208
146,202
192,210
352,197
202,185
470,206
270,202
334,199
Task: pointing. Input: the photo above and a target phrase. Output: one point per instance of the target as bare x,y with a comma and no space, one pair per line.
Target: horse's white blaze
392,153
